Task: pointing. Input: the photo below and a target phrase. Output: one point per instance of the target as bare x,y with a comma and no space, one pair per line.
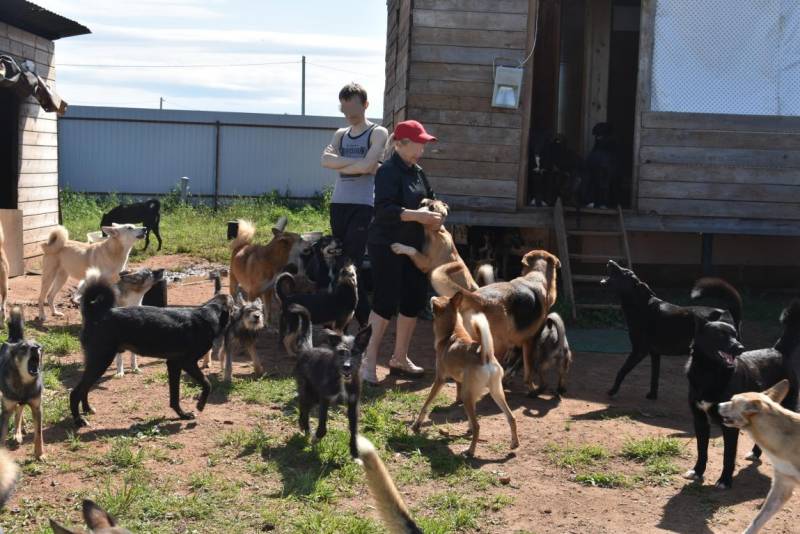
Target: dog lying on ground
245,324
439,249
21,382
180,335
333,309
718,369
470,362
147,213
328,374
4,269
390,504
98,520
255,268
516,310
656,327
64,259
8,477
777,431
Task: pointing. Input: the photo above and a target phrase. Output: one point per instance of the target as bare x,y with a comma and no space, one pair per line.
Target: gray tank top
355,188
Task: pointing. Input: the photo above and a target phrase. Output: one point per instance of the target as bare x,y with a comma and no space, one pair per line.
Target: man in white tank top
355,152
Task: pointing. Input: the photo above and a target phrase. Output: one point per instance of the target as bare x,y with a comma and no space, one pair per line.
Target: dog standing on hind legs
471,363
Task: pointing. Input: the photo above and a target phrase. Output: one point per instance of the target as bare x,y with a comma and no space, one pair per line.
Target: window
739,57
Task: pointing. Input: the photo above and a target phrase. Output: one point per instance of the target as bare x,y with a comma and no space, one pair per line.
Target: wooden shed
29,107
704,97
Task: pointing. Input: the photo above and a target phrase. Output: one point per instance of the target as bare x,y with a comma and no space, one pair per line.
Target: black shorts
349,224
397,284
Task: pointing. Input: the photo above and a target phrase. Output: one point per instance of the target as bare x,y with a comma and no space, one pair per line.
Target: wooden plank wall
476,162
38,179
398,43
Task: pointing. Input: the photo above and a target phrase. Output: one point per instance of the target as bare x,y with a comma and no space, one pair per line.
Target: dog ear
778,392
58,529
110,230
239,298
332,338
457,299
258,302
555,261
362,338
699,324
96,518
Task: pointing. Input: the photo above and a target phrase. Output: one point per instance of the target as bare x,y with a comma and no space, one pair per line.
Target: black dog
656,327
180,335
147,213
601,164
335,309
326,374
719,368
325,260
21,381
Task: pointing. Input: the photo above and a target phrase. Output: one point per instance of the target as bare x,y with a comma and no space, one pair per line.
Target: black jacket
397,187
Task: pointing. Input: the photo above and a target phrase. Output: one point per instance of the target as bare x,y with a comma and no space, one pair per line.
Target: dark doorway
9,148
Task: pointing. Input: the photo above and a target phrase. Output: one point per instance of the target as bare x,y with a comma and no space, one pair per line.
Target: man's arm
369,164
330,155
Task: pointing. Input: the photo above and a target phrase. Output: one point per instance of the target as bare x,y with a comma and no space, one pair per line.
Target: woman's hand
428,218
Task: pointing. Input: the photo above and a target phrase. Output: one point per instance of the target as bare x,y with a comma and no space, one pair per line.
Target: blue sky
342,40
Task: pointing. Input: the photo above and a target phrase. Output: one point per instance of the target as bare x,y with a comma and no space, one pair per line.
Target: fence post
184,188
216,169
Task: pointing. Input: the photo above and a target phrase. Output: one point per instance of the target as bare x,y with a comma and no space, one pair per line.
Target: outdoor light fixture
507,86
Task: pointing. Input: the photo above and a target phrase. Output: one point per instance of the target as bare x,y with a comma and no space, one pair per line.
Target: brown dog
3,278
98,520
439,249
516,310
470,362
254,268
777,431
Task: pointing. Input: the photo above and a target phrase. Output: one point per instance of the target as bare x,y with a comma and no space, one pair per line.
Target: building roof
37,20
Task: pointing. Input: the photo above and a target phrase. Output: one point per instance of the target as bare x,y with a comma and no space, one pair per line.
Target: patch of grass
659,471
573,457
58,341
121,454
329,520
603,480
452,511
652,448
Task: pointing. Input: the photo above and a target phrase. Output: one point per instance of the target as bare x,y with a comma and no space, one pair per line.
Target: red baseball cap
413,131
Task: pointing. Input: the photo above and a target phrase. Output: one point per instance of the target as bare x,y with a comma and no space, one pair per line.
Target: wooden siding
38,150
398,43
450,54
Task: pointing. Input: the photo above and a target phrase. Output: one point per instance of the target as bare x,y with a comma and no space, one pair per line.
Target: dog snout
736,348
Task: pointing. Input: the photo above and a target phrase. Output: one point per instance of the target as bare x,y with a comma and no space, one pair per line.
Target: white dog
65,259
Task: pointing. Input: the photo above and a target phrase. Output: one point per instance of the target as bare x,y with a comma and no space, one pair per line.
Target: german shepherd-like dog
328,374
21,382
179,335
98,520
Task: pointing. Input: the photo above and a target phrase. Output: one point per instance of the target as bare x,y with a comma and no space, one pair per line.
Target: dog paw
692,475
17,439
81,422
651,396
57,313
533,394
611,392
201,405
136,370
722,485
186,416
415,428
514,444
41,457
753,457
397,248
469,453
119,375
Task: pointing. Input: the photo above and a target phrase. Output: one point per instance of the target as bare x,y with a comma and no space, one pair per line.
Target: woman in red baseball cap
398,286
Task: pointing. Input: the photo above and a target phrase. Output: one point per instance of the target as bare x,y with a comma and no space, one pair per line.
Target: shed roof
38,20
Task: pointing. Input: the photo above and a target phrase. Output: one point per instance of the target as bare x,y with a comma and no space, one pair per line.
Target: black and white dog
325,260
328,374
147,213
21,381
180,335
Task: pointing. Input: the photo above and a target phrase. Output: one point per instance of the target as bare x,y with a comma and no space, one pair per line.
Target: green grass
573,457
198,229
652,448
603,480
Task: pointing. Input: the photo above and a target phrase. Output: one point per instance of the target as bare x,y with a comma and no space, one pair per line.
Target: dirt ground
545,497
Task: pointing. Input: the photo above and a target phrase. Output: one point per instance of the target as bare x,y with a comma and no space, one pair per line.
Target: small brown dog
516,310
471,363
98,520
552,350
777,431
3,278
254,268
439,249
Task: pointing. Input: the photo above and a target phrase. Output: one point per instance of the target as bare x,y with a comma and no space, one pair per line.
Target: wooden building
707,121
28,127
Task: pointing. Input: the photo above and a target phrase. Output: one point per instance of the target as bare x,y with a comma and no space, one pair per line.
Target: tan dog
516,310
98,520
777,431
471,363
65,259
254,268
439,249
3,278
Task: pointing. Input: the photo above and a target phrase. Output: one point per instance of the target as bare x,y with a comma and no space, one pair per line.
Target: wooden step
597,257
597,306
595,233
587,278
593,211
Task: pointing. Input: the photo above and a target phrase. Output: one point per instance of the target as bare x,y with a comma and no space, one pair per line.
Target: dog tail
303,339
16,326
56,241
481,326
558,324
720,289
214,275
391,507
281,283
484,275
98,296
244,235
8,477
